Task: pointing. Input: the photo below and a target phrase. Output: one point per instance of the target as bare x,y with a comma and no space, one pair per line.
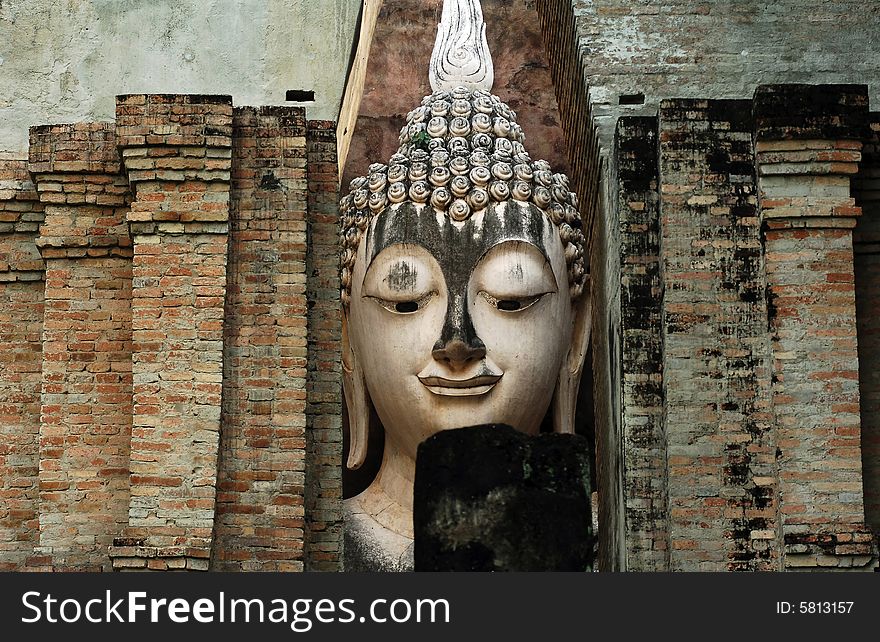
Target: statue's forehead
456,246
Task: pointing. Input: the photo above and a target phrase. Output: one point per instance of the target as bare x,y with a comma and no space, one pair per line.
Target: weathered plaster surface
66,60
719,49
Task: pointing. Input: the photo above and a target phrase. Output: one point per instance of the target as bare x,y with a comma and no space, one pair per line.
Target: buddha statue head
465,297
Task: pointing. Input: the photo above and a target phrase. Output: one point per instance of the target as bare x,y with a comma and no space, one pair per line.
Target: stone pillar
21,321
808,142
324,383
716,374
260,514
85,422
176,150
866,245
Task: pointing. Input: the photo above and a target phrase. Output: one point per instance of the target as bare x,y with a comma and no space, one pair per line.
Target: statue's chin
439,404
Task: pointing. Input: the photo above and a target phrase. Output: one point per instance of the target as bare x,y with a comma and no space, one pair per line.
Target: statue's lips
479,385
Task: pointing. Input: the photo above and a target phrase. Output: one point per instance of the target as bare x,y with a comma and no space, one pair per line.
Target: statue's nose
457,352
458,344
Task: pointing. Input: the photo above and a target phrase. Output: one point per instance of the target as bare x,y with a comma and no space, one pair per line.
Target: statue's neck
389,499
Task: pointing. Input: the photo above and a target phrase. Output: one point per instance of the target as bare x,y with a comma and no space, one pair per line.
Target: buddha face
458,324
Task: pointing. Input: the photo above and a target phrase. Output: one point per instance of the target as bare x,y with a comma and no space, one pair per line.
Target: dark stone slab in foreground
489,498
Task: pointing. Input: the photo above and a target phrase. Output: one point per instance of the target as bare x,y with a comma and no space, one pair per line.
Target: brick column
324,383
176,151
21,321
716,372
808,142
866,245
641,289
260,512
86,370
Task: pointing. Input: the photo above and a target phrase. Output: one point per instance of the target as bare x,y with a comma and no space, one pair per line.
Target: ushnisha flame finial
461,55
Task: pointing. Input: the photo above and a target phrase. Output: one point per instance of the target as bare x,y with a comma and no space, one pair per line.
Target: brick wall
324,388
260,516
720,445
176,153
85,413
156,277
739,446
643,445
624,59
21,320
808,144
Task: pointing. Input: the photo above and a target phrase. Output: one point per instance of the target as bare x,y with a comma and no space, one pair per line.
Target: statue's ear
356,400
565,396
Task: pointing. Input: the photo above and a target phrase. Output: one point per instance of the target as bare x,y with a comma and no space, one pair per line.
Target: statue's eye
511,304
407,306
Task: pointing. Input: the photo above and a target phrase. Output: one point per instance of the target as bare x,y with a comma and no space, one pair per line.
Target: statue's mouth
479,385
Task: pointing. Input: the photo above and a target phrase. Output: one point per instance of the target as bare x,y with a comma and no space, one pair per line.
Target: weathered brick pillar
641,290
716,372
86,369
260,499
324,383
866,245
808,142
21,322
176,151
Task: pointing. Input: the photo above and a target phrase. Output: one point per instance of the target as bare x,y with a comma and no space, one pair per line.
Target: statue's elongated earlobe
356,401
565,396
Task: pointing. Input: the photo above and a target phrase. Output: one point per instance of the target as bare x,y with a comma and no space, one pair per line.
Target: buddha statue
464,292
